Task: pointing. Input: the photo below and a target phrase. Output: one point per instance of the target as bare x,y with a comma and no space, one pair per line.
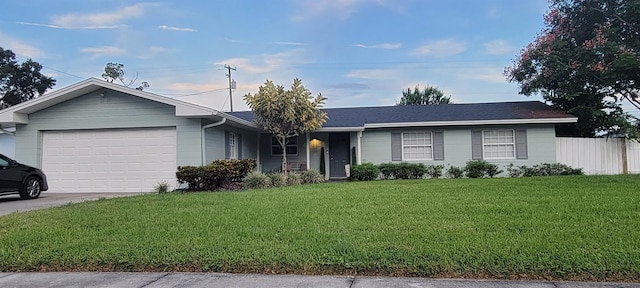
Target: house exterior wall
270,162
114,110
7,145
215,143
376,145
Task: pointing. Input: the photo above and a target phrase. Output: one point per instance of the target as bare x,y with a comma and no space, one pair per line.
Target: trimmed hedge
402,170
543,169
480,169
215,175
364,172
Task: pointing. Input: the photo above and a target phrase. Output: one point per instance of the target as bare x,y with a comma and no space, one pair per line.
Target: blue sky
354,52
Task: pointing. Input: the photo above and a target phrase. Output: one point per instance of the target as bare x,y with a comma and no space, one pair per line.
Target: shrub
277,179
214,175
364,172
387,170
162,187
455,172
492,170
294,178
409,171
312,177
480,169
257,180
543,169
435,171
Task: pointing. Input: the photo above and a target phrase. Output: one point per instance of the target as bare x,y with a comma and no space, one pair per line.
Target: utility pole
230,87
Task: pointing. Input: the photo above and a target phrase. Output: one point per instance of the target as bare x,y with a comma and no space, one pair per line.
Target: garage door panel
119,160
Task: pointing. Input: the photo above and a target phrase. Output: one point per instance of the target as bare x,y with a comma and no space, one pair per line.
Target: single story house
7,142
96,136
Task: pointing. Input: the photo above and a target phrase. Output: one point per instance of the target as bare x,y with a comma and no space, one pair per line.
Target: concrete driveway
11,204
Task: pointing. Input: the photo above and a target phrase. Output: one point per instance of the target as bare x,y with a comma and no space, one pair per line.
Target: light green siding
270,162
114,110
376,145
215,143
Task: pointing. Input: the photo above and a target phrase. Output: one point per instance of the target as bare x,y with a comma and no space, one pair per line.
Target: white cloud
380,46
485,74
341,8
103,51
373,74
20,48
290,43
173,28
440,48
154,51
497,47
267,62
104,20
77,27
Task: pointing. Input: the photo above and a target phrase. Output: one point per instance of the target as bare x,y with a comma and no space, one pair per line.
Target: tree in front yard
286,113
586,62
429,96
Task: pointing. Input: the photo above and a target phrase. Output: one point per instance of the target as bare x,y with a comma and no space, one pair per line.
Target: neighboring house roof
358,118
18,114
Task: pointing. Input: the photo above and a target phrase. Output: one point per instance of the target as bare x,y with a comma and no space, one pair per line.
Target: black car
16,178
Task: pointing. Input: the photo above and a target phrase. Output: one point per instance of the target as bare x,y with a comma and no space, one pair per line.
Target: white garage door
114,160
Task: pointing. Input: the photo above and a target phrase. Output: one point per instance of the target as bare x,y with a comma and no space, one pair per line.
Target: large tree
115,71
586,61
428,96
286,113
20,82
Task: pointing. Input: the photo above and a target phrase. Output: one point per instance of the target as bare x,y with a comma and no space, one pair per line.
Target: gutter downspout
202,144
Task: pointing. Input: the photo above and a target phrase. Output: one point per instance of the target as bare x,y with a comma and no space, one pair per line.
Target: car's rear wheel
31,189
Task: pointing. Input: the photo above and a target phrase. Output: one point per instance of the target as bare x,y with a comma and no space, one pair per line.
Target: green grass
571,228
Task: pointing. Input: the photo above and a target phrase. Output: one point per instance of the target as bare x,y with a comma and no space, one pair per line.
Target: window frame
233,145
430,145
485,145
277,146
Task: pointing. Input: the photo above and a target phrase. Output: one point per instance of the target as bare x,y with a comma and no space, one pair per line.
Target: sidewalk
148,280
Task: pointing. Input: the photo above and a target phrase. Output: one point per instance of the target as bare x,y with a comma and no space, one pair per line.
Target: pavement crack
155,280
555,285
352,282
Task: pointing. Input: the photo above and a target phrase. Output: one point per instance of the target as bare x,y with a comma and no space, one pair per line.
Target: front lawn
570,228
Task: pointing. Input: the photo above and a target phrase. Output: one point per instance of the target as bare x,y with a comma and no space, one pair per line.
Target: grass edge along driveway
561,228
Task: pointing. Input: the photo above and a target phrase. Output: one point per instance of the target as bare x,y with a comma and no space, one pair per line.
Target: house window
499,144
417,146
291,146
233,148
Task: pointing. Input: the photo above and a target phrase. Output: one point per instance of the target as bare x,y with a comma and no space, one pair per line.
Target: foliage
579,228
311,177
162,187
455,172
20,82
402,170
429,96
286,113
293,178
480,169
256,180
214,175
364,172
586,62
115,71
434,171
543,169
277,179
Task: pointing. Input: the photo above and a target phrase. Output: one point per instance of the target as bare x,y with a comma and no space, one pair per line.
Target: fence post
625,166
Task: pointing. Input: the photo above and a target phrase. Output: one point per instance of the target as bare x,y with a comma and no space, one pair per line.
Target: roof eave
473,122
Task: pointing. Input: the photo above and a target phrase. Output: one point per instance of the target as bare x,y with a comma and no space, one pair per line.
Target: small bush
481,168
455,172
364,172
435,171
543,169
294,178
162,187
277,179
409,171
215,175
257,180
387,170
312,177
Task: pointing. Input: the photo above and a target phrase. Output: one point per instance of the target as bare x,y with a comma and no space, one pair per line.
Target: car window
3,163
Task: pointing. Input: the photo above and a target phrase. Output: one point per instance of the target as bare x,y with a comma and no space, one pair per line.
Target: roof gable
18,113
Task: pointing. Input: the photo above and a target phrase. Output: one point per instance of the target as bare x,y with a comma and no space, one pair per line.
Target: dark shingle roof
359,116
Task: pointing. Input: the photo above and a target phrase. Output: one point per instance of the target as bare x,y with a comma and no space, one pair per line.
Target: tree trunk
283,145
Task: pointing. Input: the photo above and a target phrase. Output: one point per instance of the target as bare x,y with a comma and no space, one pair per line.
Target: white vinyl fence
599,155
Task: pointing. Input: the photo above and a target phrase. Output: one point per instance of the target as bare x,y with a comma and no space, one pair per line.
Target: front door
338,154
